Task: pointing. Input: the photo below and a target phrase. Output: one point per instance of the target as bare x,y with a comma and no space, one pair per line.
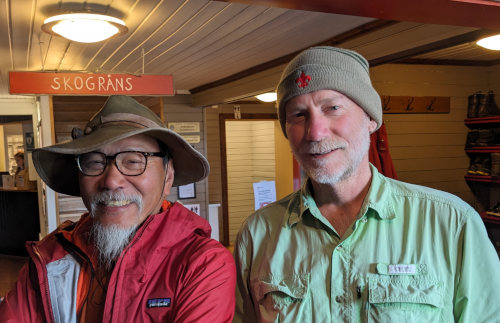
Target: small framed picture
186,191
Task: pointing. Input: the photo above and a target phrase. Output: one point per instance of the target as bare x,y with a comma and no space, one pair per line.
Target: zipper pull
358,291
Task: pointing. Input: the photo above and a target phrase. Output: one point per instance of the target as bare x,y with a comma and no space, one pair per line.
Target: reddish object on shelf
482,178
490,218
482,120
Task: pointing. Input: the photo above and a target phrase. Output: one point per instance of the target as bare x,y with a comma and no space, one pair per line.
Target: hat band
114,119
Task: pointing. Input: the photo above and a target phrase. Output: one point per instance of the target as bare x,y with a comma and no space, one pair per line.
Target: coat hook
430,106
386,104
409,107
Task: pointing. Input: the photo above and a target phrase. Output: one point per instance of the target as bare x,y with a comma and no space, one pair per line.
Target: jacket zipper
36,255
78,252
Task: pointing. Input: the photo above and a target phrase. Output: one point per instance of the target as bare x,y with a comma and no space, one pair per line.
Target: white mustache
114,197
321,147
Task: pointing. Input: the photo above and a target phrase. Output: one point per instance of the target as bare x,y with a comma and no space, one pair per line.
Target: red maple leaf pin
303,80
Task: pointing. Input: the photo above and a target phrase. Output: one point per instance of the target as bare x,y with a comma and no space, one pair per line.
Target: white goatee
110,240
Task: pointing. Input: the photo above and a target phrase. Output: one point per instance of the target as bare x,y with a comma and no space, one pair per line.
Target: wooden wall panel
429,149
494,82
178,109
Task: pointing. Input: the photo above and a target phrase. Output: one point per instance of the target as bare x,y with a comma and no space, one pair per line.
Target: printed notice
264,193
184,127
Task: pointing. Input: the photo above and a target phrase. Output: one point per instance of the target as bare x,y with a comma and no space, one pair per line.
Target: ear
170,172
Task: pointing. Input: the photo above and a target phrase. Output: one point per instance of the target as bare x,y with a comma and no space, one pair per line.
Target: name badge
397,269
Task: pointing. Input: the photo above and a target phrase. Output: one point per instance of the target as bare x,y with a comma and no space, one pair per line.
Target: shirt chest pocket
404,299
283,299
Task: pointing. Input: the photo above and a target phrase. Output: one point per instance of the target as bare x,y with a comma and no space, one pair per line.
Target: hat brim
57,167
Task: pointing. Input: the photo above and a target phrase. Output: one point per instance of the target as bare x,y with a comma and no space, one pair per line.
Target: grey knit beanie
324,67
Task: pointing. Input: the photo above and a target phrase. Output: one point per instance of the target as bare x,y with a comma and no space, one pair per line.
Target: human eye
92,161
332,108
132,160
295,115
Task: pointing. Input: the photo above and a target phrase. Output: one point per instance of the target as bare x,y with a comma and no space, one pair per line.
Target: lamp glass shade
492,42
83,27
267,97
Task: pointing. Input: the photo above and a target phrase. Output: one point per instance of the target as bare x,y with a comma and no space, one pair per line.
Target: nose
317,127
111,178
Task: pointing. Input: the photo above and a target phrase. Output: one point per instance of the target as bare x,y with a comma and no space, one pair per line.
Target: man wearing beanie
353,245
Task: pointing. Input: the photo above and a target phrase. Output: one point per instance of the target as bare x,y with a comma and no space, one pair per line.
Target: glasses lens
92,163
131,163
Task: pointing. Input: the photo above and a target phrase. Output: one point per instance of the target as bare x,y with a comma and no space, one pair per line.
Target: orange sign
91,84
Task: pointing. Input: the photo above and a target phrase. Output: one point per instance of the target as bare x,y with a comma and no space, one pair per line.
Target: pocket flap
405,289
294,286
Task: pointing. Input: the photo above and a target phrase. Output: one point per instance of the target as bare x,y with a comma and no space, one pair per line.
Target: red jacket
170,272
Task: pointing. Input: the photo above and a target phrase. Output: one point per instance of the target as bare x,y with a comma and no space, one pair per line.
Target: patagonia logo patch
158,302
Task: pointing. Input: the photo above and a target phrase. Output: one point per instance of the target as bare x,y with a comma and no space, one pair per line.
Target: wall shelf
490,218
489,149
482,178
482,121
485,188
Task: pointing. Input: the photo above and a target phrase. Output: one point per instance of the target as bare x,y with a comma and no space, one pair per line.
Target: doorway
20,215
252,150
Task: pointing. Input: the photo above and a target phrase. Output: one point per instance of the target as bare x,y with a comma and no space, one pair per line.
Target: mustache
110,196
319,147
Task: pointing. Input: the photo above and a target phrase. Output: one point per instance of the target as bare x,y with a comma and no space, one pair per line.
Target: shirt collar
378,199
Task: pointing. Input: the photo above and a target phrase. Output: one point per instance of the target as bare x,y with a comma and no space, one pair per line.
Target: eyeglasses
129,163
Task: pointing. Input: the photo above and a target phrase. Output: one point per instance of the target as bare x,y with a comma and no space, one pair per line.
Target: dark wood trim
431,47
455,62
351,34
467,13
223,177
223,163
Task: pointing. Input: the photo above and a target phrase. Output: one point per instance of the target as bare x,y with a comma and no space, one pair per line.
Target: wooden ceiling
207,43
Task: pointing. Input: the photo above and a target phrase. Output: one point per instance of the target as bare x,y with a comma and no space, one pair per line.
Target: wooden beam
468,13
437,45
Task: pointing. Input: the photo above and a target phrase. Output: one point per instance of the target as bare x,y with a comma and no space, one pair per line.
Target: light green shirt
413,255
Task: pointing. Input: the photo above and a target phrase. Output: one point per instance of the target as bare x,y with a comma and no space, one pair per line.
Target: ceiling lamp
267,97
492,42
84,27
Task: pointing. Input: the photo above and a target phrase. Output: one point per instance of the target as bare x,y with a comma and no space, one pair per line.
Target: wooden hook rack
415,104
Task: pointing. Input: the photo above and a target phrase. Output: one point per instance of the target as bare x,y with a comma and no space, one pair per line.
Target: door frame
223,155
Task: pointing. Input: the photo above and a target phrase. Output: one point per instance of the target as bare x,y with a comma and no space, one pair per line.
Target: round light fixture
84,27
267,97
492,42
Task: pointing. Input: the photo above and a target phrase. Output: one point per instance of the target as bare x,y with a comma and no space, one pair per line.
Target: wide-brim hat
120,117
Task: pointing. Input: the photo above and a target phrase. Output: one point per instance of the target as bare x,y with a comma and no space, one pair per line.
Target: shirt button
364,220
338,299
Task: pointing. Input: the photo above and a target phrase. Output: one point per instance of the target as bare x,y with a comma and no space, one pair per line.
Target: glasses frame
110,157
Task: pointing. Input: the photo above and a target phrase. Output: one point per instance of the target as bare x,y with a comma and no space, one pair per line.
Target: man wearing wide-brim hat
134,257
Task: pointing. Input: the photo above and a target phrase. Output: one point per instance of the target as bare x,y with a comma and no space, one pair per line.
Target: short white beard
110,240
317,172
